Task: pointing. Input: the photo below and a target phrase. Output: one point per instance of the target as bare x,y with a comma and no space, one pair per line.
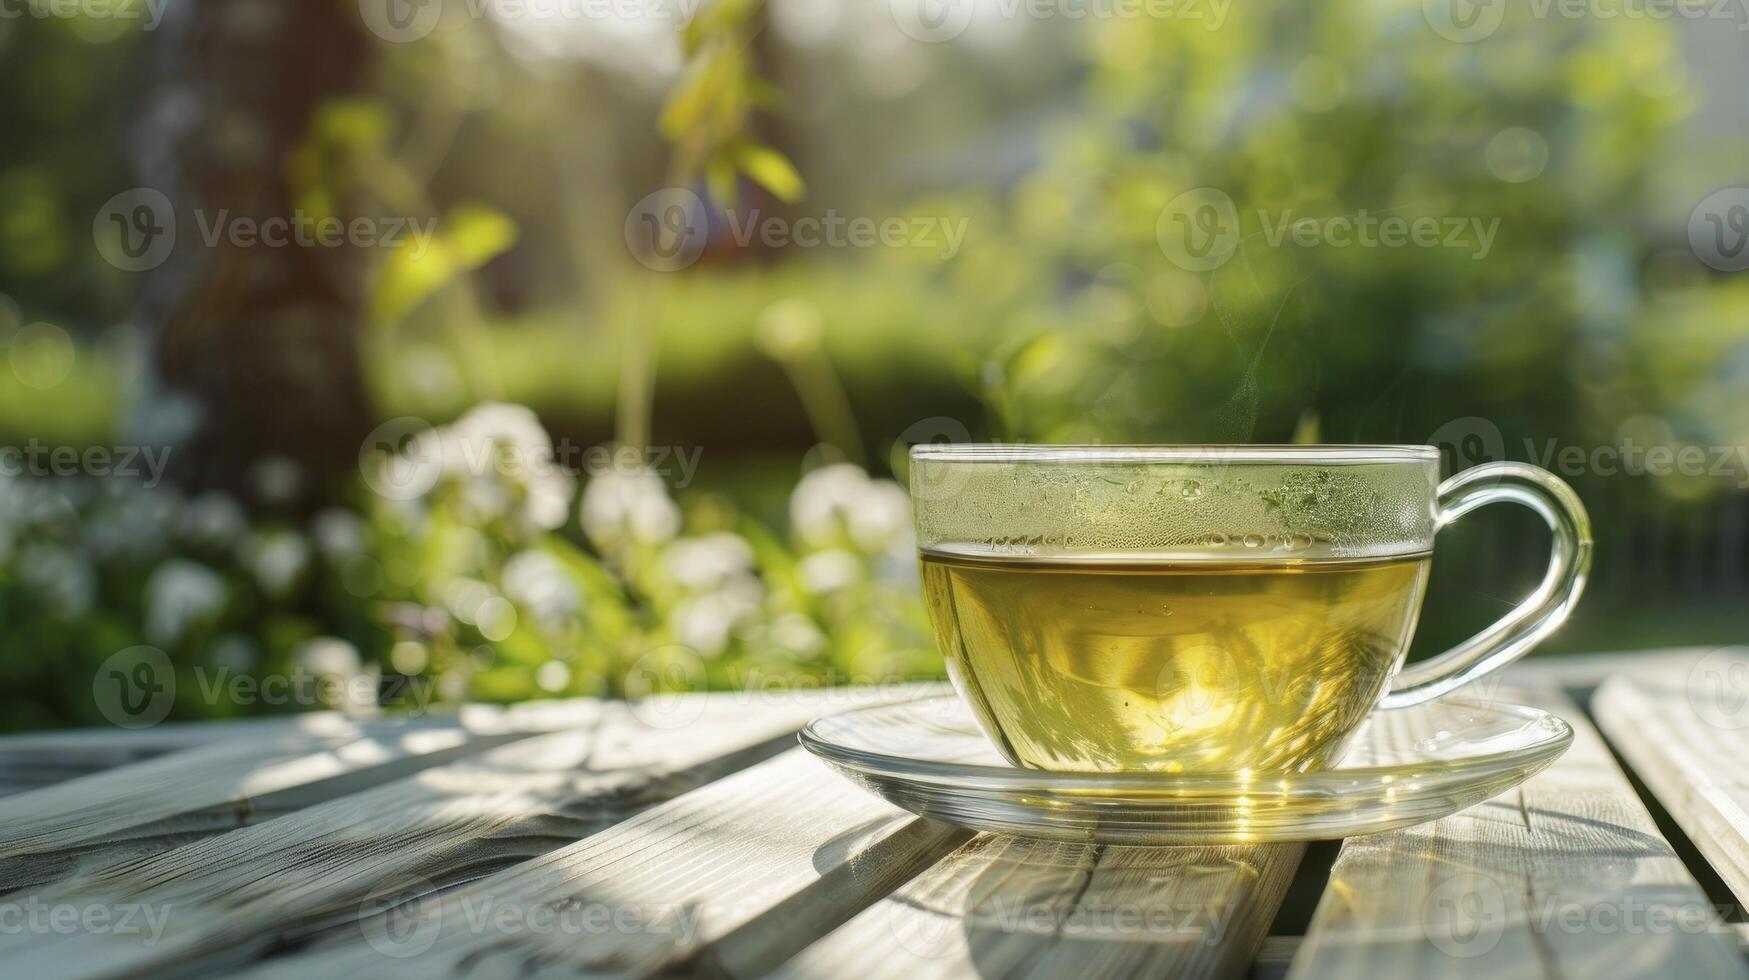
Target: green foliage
709,113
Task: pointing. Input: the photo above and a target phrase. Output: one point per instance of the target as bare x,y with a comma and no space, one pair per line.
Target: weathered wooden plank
35,760
1566,876
1274,957
728,880
1010,907
1681,731
157,804
1581,673
236,895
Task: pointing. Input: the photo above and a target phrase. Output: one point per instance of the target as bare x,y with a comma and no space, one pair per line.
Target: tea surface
1173,666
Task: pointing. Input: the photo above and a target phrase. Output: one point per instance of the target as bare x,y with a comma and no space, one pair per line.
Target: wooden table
690,836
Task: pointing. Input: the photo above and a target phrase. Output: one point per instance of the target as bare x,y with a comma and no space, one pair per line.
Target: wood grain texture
1584,672
728,880
174,798
231,897
1566,876
1682,731
1011,907
38,759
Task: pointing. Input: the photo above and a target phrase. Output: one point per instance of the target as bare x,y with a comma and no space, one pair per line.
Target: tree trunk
262,340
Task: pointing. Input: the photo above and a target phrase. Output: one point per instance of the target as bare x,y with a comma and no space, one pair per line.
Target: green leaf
720,177
772,170
478,233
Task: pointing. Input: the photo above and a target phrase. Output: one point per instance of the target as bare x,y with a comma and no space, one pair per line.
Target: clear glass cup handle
1541,613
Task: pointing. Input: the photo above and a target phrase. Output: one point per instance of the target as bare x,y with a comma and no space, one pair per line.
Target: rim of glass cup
991,452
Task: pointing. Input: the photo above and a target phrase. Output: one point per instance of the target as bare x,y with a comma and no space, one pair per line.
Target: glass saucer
1403,767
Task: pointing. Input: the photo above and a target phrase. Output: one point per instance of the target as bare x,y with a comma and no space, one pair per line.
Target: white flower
512,431
180,594
828,571
841,501
537,582
344,684
706,562
339,533
624,507
212,519
797,634
553,676
881,522
502,462
706,622
329,655
277,559
64,578
822,501
464,597
548,501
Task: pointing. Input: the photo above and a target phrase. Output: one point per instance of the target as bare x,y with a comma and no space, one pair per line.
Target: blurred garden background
609,392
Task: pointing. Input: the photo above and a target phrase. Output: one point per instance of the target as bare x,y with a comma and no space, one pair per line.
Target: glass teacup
1209,608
